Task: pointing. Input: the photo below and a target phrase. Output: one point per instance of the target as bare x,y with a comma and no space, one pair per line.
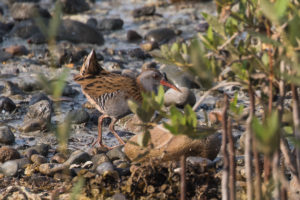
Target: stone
6,104
34,125
8,153
180,99
78,116
38,159
16,50
29,85
42,149
133,36
143,11
6,136
111,24
77,157
138,53
105,168
99,158
9,168
26,10
149,46
92,22
4,56
160,35
74,6
51,168
215,117
26,29
41,110
77,32
58,158
39,97
11,89
37,38
198,161
132,124
29,152
167,146
117,196
116,153
202,27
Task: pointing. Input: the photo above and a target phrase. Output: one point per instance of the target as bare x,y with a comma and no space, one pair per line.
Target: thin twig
222,84
228,41
232,168
183,177
225,172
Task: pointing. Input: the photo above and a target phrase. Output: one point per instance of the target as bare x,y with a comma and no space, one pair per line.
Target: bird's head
150,79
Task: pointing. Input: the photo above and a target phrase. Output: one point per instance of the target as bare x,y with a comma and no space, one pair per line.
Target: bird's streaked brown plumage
110,92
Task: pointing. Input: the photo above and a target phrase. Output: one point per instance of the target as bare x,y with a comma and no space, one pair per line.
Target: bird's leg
112,129
99,138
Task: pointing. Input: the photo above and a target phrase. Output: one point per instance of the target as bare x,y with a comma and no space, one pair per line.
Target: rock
41,110
26,29
38,159
78,116
69,91
143,11
51,168
198,161
9,168
30,84
111,24
37,38
121,164
149,65
138,53
5,27
180,99
166,146
131,124
99,158
58,158
7,104
30,151
160,35
106,169
179,77
16,1
34,125
39,97
202,27
92,22
6,136
8,153
130,73
77,157
149,46
16,50
42,149
25,10
11,89
78,32
4,56
116,153
133,36
215,117
74,6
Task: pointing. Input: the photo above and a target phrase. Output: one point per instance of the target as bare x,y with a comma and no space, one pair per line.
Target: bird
109,92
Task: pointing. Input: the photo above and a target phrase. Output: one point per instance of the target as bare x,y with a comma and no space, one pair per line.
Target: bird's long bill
166,83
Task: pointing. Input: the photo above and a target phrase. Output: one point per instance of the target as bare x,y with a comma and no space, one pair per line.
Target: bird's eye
155,76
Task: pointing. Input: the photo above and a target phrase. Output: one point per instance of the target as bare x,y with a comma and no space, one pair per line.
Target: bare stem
232,164
225,174
183,177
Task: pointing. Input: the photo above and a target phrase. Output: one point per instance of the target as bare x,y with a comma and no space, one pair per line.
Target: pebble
202,27
180,99
16,50
160,35
149,46
116,153
69,91
4,56
58,158
121,164
117,196
138,53
11,89
7,104
41,110
30,84
143,11
34,125
37,38
199,161
99,158
111,24
78,116
8,153
77,157
51,168
42,149
92,22
25,29
74,6
133,36
106,169
27,10
6,136
30,151
9,168
38,159
39,97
